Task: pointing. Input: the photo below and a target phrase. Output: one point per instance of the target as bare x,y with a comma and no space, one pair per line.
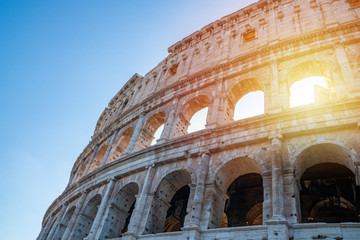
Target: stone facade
290,173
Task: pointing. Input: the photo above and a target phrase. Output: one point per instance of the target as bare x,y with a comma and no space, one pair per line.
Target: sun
303,92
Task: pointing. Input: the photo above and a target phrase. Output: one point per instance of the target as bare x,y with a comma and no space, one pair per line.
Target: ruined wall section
264,23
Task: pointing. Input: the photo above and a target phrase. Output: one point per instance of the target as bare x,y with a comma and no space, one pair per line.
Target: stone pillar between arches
142,205
291,196
213,207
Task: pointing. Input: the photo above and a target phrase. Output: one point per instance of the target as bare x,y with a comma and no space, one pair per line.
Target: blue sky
60,64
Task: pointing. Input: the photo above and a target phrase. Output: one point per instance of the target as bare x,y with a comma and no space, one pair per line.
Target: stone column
100,213
137,223
74,217
357,173
111,146
274,105
58,221
136,134
353,88
215,107
290,194
278,227
170,123
189,205
267,203
213,206
91,160
199,191
277,178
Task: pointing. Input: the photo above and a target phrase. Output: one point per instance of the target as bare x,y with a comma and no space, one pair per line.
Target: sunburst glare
303,92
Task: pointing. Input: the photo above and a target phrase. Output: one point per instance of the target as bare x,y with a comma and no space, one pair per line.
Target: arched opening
157,134
98,158
244,205
192,116
121,144
240,179
245,99
252,104
119,214
309,83
169,203
329,194
198,121
64,224
86,218
148,131
82,169
177,211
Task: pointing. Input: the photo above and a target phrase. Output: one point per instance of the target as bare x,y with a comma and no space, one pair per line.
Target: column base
192,232
278,228
128,236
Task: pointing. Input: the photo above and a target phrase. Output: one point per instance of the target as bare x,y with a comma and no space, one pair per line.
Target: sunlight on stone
302,92
250,105
157,135
198,120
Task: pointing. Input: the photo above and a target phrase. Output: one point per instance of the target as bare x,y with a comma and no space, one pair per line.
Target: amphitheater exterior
290,173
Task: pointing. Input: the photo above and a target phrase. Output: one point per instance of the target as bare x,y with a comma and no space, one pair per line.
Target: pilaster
136,134
95,230
169,128
58,221
199,194
75,216
137,224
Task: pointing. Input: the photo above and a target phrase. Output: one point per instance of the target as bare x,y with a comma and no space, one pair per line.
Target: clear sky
60,64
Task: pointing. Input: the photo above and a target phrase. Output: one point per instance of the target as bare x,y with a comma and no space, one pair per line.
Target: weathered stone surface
307,156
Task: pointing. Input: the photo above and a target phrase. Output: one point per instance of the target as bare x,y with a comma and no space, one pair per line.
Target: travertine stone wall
122,186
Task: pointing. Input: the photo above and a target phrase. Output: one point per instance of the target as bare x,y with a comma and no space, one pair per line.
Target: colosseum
288,172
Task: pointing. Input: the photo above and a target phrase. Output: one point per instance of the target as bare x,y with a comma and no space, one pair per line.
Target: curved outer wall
265,46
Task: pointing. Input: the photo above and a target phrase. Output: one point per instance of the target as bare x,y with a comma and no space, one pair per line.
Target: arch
86,218
241,180
225,174
83,169
328,194
121,144
169,201
239,90
98,158
187,112
326,176
64,224
149,129
323,153
308,69
313,68
119,214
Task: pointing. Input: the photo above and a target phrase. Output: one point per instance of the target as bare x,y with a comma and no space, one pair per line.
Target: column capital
204,153
339,44
112,179
274,137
